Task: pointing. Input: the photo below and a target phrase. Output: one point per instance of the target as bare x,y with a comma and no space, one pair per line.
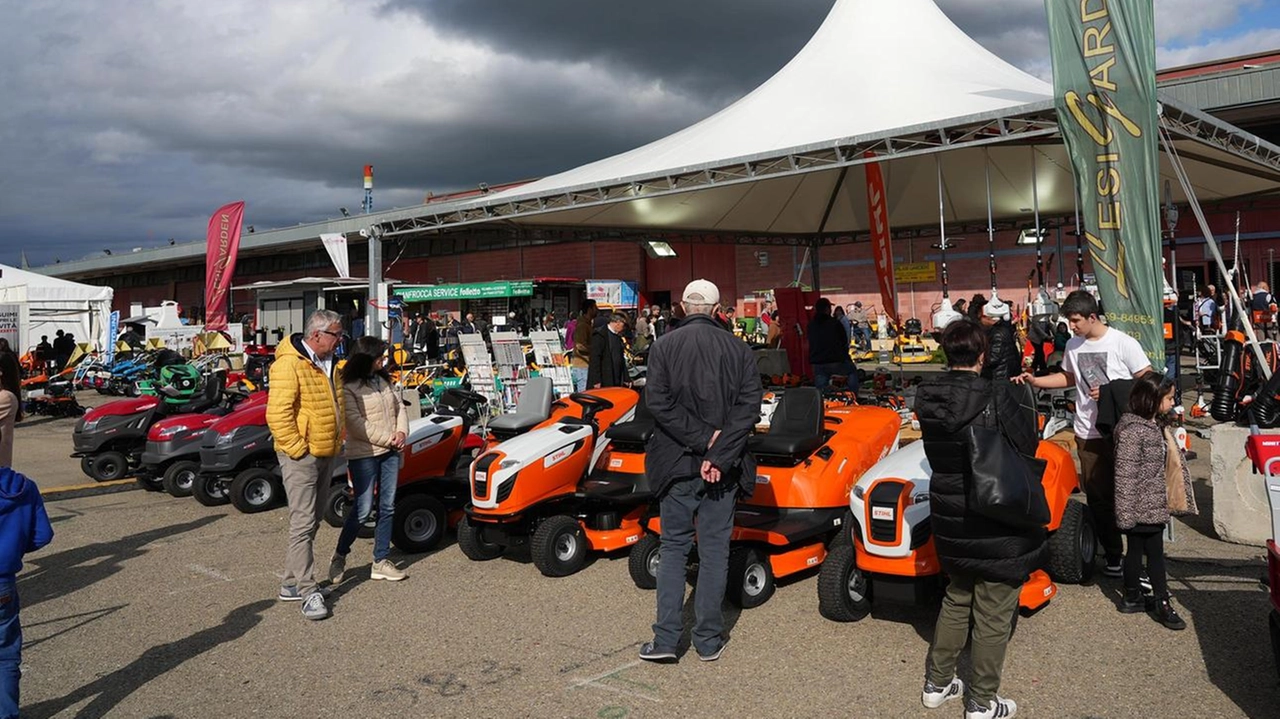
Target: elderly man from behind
704,392
304,414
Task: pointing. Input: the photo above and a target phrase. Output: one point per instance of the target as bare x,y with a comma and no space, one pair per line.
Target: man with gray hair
304,414
703,389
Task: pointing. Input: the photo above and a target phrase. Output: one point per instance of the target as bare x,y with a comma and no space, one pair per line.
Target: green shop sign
477,291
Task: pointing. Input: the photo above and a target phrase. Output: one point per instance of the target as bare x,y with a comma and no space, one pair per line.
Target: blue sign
113,328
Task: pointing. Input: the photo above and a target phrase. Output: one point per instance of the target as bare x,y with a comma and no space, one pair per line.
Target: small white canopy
53,304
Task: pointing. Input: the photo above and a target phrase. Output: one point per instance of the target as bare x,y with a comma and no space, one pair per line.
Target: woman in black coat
987,562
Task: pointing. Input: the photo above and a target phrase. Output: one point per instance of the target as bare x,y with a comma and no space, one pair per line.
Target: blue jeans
711,505
385,468
579,375
10,648
822,373
862,336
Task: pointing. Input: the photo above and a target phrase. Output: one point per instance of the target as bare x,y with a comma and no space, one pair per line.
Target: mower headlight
859,492
508,463
225,439
90,425
920,498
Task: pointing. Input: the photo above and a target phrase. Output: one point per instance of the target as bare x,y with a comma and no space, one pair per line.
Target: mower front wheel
180,478
474,545
108,466
643,561
750,578
210,490
419,523
559,546
842,587
86,466
1073,546
255,490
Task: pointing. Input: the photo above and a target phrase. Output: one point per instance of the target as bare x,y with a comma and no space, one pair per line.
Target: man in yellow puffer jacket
304,413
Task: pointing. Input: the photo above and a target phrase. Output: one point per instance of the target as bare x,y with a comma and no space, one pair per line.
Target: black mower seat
795,431
636,431
533,408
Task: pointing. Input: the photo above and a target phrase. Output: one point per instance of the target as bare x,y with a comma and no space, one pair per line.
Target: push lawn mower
892,556
525,490
808,462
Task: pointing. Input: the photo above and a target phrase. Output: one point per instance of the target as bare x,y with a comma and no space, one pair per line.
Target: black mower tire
844,533
559,546
419,524
336,506
843,591
108,466
1073,546
255,490
473,545
180,478
750,578
86,466
210,491
643,560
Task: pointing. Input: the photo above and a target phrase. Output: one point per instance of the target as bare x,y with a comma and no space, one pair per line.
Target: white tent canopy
53,304
895,78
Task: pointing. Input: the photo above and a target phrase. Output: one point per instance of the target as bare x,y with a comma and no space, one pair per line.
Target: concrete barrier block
1241,513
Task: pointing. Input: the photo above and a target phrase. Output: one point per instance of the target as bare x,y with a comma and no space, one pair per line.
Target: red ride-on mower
1264,451
892,556
525,490
432,486
171,459
808,461
238,464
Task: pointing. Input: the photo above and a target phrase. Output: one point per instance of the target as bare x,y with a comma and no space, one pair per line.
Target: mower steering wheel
467,395
591,402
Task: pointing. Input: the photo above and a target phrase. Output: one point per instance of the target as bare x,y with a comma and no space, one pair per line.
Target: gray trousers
306,484
990,607
712,505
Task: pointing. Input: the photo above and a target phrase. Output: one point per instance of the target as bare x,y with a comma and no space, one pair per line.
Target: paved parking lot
149,606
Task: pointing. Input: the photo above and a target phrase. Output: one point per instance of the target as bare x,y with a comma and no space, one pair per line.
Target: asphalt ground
149,606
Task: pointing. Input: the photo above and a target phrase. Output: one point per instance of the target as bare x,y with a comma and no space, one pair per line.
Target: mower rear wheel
419,523
108,466
180,478
338,503
843,592
255,490
473,544
559,546
86,466
750,578
211,491
643,561
1073,546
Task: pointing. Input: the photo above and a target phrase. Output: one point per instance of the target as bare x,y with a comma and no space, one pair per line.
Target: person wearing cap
828,347
703,389
1004,361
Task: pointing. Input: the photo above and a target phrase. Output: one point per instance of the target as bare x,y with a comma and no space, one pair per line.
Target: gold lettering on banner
1093,39
1089,16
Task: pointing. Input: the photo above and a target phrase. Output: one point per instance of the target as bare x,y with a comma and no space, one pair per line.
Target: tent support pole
814,263
822,226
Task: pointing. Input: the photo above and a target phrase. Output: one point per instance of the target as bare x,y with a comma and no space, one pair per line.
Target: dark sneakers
714,655
1133,602
1168,616
651,653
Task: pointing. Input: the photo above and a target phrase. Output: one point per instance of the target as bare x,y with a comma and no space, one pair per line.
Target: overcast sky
125,122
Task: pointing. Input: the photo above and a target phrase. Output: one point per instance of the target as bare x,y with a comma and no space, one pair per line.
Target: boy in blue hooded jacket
24,527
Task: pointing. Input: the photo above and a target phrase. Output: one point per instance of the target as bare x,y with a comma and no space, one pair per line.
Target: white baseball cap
996,309
701,292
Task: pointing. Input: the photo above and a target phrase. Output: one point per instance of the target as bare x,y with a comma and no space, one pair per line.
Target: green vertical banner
1104,86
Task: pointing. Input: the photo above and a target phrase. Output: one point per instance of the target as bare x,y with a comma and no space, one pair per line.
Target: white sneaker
997,709
337,566
934,696
384,569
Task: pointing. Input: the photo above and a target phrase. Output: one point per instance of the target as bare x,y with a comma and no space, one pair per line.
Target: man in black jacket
608,364
1004,358
828,346
987,562
703,389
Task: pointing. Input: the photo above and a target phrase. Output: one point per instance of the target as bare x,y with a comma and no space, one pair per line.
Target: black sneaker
1113,568
1133,602
651,653
714,655
1168,616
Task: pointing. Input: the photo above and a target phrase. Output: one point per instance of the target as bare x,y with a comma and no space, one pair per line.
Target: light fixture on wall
658,249
762,257
1028,236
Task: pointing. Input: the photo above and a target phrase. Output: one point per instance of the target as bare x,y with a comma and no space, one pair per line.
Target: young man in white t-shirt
1098,354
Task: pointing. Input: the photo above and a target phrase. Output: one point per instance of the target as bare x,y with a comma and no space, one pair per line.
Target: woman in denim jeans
376,428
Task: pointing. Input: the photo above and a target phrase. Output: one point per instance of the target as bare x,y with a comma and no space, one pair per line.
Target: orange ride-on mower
1264,451
892,556
807,464
525,490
